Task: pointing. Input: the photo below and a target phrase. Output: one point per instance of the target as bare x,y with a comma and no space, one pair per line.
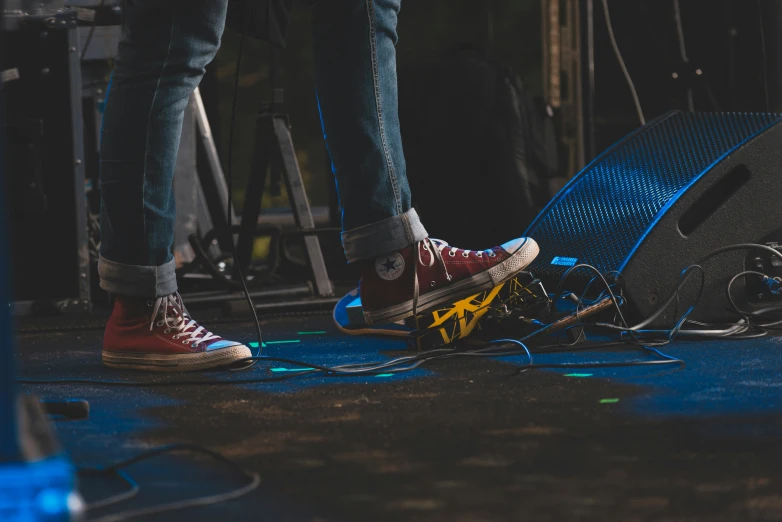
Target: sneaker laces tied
182,322
436,249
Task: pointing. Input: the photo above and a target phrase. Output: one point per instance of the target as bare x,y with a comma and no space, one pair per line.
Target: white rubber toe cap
219,345
514,245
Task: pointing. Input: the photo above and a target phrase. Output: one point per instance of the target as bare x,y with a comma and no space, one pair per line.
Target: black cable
741,246
253,478
670,334
747,315
632,330
730,285
410,362
674,295
114,499
397,365
632,335
763,311
88,40
621,62
249,9
744,246
665,359
598,275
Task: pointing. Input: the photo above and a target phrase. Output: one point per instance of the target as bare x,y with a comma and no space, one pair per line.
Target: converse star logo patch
390,267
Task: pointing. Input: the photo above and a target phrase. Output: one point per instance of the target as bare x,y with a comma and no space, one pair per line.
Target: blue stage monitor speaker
660,200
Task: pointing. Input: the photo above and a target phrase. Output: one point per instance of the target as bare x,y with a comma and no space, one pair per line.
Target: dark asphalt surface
459,440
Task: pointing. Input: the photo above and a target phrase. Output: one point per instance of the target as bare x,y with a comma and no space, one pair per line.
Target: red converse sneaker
431,272
159,335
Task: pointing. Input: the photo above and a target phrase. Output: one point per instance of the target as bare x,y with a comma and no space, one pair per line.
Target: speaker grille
600,216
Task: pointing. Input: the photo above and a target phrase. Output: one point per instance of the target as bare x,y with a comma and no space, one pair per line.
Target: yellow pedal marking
468,313
442,326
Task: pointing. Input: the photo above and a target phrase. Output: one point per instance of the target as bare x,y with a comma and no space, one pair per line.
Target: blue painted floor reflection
720,377
458,440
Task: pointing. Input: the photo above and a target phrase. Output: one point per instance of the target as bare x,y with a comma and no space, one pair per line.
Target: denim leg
355,73
164,49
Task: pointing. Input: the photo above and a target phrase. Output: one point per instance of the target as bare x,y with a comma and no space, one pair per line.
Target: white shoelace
436,247
182,322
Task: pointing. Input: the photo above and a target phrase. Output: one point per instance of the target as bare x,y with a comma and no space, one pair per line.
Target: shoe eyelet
426,247
492,255
195,345
185,341
167,330
150,304
452,253
465,254
432,283
160,323
478,254
176,336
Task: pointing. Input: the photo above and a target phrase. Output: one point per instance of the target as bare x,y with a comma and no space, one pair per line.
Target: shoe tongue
171,312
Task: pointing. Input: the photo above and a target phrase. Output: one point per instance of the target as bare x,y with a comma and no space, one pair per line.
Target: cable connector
774,284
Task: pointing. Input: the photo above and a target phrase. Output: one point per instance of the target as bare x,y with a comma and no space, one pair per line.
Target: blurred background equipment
501,103
276,155
476,139
15,8
268,20
45,155
562,43
37,482
90,32
702,55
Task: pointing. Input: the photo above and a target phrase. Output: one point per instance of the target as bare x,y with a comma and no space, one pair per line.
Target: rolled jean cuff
137,280
382,237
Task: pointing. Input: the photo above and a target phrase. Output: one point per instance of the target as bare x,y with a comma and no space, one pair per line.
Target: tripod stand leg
253,197
301,206
212,179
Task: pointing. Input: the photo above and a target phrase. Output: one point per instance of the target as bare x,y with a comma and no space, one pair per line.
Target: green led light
608,401
291,369
384,375
255,345
578,375
311,333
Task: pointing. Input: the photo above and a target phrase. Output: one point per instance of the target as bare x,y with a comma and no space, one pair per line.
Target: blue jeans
163,51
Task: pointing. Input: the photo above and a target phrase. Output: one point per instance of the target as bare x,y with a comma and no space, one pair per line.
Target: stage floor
457,441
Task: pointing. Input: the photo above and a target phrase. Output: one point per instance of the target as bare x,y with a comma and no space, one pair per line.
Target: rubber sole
518,261
155,362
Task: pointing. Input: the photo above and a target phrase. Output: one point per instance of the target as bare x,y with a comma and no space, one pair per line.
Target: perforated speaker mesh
607,208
